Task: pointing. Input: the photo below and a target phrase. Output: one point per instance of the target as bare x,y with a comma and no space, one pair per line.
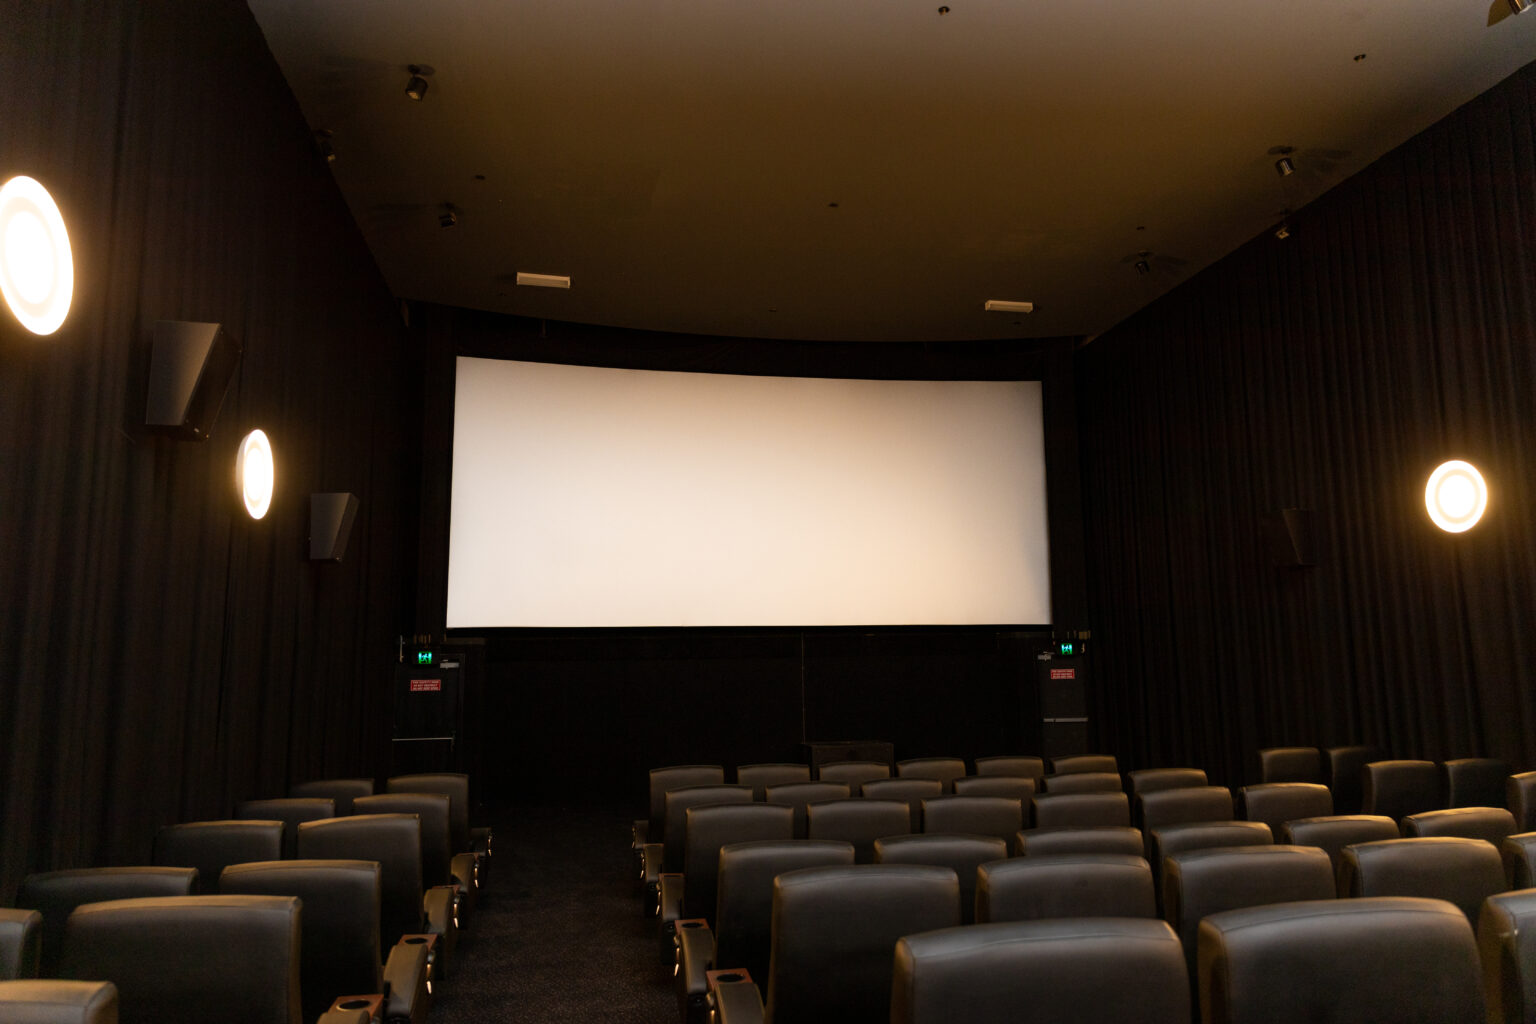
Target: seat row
358,877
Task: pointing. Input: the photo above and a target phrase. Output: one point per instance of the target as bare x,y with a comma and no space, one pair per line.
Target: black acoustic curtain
1331,371
165,656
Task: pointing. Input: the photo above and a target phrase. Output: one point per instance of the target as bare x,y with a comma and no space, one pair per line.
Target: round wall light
255,473
1456,496
37,271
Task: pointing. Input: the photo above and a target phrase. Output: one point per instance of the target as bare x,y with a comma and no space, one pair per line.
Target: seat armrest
650,877
734,998
406,979
465,870
480,841
338,1014
695,957
669,910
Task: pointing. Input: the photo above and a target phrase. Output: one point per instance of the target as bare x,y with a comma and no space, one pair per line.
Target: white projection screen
587,496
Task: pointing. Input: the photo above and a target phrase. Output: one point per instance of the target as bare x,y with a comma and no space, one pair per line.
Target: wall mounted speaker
330,524
1289,533
189,369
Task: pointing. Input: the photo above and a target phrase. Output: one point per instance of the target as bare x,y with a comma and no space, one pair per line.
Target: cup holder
354,1004
416,940
693,924
729,976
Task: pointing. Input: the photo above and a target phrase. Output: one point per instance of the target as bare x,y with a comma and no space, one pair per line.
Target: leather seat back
433,810
1520,798
289,810
663,780
834,930
394,841
1519,854
1396,789
744,894
1346,769
1011,764
340,952
858,821
1014,787
1506,942
1061,970
1065,885
852,773
1179,806
56,894
1460,871
1198,883
1474,782
453,785
913,791
58,1002
1085,763
211,845
1334,832
964,854
1491,824
945,769
1082,782
1275,803
707,829
761,776
1080,839
232,959
799,795
1291,764
1340,961
1150,780
1049,811
998,816
21,943
341,792
674,828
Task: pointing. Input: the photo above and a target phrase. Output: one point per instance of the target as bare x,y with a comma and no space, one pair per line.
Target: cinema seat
341,792
340,953
405,906
1463,872
913,791
1520,794
466,838
945,769
58,1002
1275,803
662,780
859,821
800,795
1383,960
1051,811
1200,835
1493,824
664,854
998,816
56,894
288,810
1084,763
1052,972
1062,839
743,915
1198,883
834,932
1065,885
440,865
21,943
1150,780
1334,832
761,776
1396,789
1180,806
1519,855
1291,764
852,773
1346,767
191,958
1506,942
1081,782
706,829
964,854
211,846
1018,765
1014,787
1474,782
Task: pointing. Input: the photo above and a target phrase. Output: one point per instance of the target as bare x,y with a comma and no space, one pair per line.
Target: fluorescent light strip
543,280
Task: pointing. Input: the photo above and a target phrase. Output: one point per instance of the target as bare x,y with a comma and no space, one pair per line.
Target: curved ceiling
863,169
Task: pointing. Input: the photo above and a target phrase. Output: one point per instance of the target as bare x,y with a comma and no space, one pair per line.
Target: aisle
558,936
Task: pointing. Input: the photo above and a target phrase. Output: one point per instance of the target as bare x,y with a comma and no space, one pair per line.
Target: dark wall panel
166,656
1330,371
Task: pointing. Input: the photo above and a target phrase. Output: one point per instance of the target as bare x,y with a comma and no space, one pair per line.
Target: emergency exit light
423,657
1068,648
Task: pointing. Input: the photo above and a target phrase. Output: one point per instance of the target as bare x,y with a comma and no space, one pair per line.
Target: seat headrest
1081,839
342,791
1043,886
51,1001
1491,824
21,940
944,847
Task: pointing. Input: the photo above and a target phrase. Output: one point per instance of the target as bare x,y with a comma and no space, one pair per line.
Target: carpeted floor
559,935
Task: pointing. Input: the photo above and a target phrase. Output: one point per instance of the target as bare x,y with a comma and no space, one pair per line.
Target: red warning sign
1063,673
426,685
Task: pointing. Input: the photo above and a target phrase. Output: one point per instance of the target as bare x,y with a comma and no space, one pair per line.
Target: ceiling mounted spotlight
1456,496
1282,231
1142,266
1518,6
1285,167
416,88
448,217
37,270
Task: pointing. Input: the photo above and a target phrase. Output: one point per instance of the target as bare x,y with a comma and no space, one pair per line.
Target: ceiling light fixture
1518,6
1006,306
37,270
543,280
416,88
1285,167
448,217
1456,496
1143,267
255,473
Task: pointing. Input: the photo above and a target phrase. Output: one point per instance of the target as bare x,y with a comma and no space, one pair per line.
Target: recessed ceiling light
37,270
543,280
1456,496
255,473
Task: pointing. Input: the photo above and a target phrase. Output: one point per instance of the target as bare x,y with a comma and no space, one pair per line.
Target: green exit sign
1068,648
423,657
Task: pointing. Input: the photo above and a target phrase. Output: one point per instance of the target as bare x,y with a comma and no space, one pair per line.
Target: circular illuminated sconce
254,473
1456,496
37,272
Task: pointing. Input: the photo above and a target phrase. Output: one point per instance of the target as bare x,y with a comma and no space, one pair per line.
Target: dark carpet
558,934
